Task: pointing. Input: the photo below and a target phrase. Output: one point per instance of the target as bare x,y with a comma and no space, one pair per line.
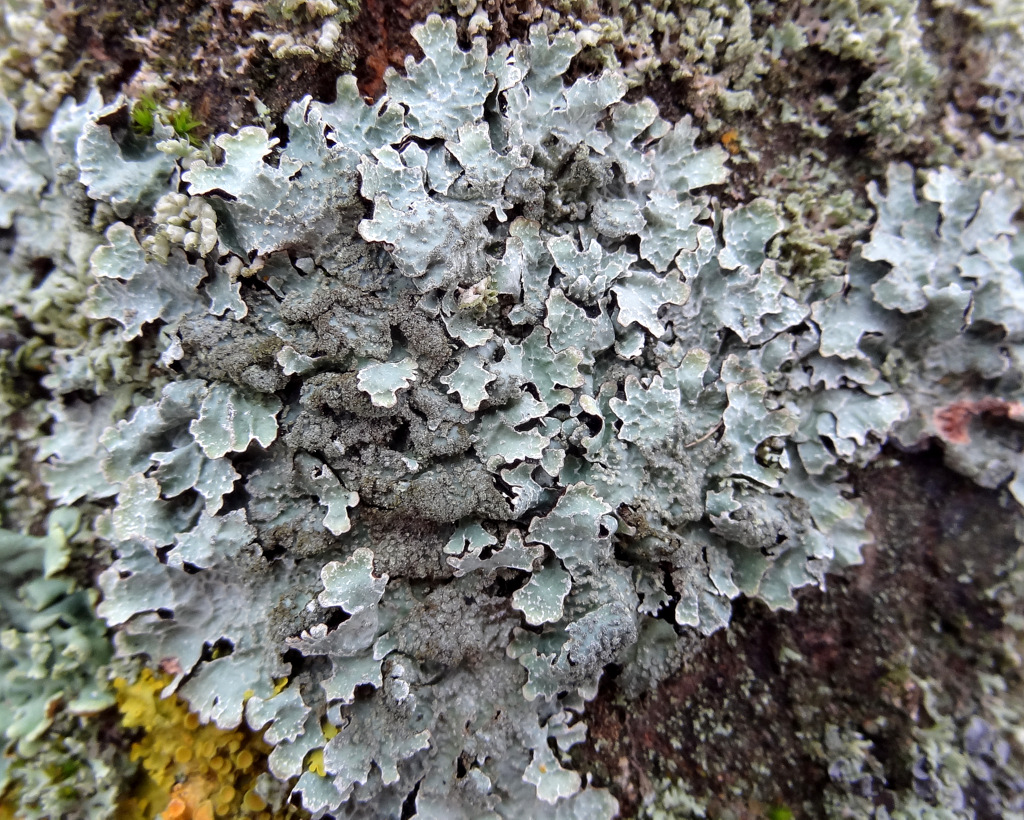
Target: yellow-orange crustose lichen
190,771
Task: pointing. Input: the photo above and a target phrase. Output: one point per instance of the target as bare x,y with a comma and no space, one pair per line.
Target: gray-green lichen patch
541,599
493,308
947,280
382,381
35,69
52,674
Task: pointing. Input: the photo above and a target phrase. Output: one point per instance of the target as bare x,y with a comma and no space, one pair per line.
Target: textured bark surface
744,720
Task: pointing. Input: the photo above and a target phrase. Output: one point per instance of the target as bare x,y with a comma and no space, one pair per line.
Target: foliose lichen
33,71
430,410
51,680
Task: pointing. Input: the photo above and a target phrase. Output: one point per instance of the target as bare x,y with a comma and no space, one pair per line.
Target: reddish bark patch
383,36
951,422
219,62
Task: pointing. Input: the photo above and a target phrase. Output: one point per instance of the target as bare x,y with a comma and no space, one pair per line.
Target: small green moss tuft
779,812
144,115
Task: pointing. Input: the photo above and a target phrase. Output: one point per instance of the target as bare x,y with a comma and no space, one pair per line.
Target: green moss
144,114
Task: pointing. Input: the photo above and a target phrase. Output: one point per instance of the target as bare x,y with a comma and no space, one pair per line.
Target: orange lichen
731,141
190,771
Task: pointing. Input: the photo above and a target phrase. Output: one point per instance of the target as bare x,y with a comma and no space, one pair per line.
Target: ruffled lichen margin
403,428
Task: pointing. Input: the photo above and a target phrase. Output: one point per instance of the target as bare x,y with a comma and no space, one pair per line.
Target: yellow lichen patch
253,802
316,762
189,771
